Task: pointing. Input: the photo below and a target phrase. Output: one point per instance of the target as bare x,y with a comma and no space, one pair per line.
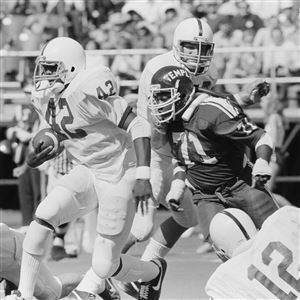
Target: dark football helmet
171,91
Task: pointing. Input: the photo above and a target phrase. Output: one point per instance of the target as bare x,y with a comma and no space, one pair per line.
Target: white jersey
269,269
207,80
87,114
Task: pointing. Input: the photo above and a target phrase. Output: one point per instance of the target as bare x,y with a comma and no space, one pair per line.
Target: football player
210,150
97,127
259,265
48,287
193,49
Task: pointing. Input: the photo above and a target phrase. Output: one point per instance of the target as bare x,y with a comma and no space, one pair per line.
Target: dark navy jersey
212,144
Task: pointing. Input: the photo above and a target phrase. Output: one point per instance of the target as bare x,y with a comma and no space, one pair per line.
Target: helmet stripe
238,223
200,27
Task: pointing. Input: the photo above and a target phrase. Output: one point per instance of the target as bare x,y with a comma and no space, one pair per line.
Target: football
49,138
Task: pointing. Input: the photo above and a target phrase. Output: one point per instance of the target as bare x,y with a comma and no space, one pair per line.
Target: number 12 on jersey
283,274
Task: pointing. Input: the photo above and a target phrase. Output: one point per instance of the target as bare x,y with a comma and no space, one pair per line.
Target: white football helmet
60,61
197,33
228,229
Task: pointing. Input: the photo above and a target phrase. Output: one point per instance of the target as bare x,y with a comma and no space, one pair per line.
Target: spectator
209,11
9,65
287,20
20,135
263,35
169,21
242,64
283,61
245,18
226,36
126,67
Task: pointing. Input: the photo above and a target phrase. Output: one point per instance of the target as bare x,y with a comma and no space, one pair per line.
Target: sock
29,272
154,250
35,246
91,283
133,269
58,242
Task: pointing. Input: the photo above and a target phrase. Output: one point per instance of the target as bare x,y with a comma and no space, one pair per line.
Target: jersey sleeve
143,93
240,129
229,120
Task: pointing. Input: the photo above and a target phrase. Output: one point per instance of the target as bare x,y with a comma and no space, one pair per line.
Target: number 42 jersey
269,268
86,115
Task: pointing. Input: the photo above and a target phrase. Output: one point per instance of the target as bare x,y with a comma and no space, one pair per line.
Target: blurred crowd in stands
132,24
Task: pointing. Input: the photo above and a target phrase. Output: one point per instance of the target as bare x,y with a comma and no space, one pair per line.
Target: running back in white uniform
87,114
269,269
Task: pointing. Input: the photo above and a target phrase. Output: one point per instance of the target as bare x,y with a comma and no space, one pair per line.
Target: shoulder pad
190,110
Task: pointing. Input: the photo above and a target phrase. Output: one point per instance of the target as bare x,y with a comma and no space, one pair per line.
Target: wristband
142,172
176,190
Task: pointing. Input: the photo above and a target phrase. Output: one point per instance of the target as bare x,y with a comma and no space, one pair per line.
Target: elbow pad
265,140
139,128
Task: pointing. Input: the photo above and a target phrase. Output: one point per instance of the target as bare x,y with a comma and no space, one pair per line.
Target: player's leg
73,197
257,202
116,213
169,231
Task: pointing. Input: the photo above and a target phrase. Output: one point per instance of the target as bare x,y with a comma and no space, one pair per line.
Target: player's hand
261,172
39,156
18,171
142,192
261,180
175,194
253,92
174,205
257,89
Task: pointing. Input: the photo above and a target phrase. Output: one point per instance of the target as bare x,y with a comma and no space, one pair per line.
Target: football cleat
110,292
59,252
130,288
151,290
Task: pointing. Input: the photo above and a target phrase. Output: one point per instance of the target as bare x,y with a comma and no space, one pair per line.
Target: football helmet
171,91
228,229
61,59
197,36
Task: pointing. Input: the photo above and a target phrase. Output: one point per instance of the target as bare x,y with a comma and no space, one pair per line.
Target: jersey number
255,273
192,150
109,90
68,119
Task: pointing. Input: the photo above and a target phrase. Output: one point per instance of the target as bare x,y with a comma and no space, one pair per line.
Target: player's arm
140,131
252,93
243,130
177,186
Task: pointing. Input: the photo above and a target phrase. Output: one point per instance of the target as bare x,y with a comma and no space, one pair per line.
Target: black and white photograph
150,149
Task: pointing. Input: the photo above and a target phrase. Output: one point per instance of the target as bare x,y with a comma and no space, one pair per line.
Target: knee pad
115,210
104,262
50,210
143,225
37,239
